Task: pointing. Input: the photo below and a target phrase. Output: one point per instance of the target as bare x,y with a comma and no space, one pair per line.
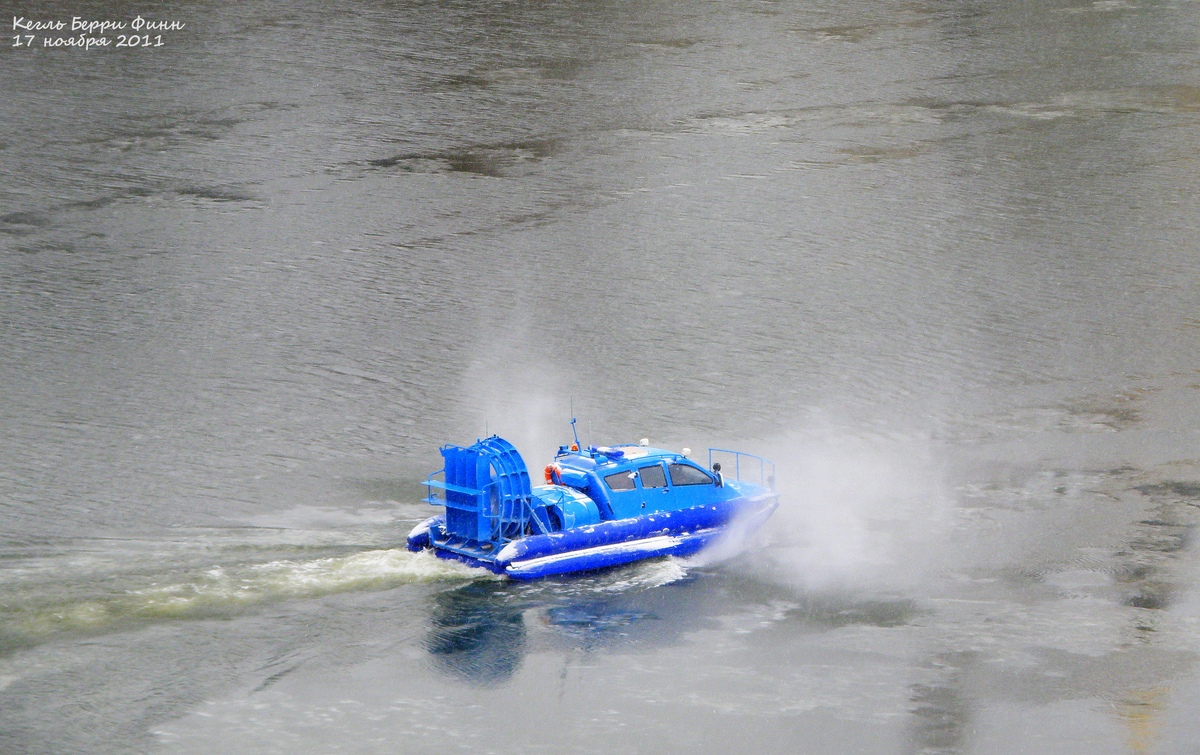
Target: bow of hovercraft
600,507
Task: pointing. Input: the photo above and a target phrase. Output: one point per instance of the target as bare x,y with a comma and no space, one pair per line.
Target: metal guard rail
764,479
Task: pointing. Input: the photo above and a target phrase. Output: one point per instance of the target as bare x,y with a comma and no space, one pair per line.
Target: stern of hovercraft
485,488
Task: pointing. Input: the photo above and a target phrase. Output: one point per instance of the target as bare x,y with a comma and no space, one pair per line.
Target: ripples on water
936,259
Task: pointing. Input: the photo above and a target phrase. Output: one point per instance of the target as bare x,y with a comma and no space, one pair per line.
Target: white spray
508,393
859,511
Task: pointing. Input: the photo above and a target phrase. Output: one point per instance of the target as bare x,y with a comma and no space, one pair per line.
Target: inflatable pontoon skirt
679,533
587,559
613,554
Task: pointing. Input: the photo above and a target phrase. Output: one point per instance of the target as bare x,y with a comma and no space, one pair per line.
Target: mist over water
938,261
866,512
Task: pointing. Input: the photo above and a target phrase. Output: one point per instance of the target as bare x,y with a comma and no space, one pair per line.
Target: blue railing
765,478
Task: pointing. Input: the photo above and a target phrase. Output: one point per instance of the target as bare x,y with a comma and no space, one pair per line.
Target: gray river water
938,259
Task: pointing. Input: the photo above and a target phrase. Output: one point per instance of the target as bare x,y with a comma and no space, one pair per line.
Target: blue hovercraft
599,506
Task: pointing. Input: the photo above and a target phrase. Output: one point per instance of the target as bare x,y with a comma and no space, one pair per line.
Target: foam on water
225,590
275,580
650,574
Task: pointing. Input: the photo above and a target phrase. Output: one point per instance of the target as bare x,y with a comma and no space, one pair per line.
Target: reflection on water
941,712
1142,711
476,634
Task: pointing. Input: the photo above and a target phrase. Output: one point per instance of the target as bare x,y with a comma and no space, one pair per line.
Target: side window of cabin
619,481
684,474
652,477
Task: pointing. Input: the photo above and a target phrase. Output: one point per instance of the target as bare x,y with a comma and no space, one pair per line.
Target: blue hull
611,543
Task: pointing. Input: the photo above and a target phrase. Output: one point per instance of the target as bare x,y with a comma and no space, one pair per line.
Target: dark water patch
273,678
28,223
159,132
940,710
48,247
1148,555
22,223
835,613
492,161
1142,587
1133,572
410,161
215,194
1117,412
672,44
28,546
533,218
1171,488
562,69
146,139
1151,599
1164,542
497,161
1172,526
850,34
1115,417
939,718
127,192
135,192
91,204
538,148
480,163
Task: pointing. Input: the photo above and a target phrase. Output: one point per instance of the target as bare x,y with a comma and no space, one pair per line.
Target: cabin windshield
685,474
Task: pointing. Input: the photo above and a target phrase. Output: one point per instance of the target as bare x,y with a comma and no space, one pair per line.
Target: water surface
936,259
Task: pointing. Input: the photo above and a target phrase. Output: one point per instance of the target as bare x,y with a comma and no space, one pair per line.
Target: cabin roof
631,455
